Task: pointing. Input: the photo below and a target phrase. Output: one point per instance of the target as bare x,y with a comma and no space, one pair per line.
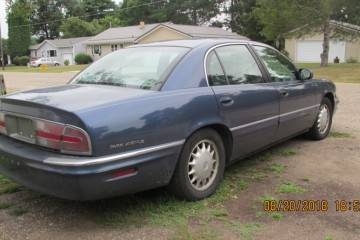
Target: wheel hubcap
203,165
323,119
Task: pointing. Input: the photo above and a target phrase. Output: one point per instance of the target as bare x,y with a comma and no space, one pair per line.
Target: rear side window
239,65
215,73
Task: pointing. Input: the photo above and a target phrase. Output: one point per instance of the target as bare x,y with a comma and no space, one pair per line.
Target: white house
59,49
115,38
309,48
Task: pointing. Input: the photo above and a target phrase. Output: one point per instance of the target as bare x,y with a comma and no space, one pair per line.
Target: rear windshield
141,67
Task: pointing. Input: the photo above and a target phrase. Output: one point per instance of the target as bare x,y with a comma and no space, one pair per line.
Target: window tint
280,69
239,65
214,70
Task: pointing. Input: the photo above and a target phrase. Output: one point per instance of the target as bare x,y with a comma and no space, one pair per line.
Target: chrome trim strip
271,118
97,160
303,109
253,123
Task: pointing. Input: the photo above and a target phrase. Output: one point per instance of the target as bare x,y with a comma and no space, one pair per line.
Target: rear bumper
86,178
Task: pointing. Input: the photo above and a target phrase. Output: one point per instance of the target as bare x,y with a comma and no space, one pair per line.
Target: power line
87,15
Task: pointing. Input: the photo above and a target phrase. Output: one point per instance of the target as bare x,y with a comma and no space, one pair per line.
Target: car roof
193,43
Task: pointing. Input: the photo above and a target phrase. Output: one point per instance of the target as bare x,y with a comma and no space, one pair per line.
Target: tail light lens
67,139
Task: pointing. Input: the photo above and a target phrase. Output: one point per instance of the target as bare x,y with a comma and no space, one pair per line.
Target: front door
248,105
297,97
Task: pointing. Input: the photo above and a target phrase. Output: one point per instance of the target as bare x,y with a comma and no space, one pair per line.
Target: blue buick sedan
170,114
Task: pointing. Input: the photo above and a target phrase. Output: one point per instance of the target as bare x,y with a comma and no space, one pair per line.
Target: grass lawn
342,73
51,69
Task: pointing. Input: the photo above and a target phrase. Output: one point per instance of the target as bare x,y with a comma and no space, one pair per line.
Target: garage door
310,50
69,57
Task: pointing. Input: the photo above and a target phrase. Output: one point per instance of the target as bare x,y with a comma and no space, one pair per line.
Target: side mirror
305,74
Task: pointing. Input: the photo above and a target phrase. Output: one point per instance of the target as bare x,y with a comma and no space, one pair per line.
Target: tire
56,64
194,178
39,65
322,124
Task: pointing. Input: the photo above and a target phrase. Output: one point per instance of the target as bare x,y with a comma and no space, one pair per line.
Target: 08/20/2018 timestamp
310,205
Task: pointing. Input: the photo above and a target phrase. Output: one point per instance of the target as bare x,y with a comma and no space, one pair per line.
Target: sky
4,27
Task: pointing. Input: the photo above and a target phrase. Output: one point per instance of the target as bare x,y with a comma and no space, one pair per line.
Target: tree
75,27
198,11
134,11
109,21
243,20
19,29
46,18
96,9
304,17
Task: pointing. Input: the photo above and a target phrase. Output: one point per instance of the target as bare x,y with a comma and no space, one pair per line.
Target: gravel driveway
331,167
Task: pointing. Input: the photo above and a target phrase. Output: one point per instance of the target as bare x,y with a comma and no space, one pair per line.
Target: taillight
67,139
2,124
75,140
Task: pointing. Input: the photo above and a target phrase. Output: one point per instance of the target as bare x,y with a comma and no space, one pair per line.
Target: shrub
66,62
21,61
83,58
351,60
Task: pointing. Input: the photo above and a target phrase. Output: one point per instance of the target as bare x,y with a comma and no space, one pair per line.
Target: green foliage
21,61
18,212
96,9
277,168
75,27
351,60
289,187
196,12
46,18
276,215
66,62
5,205
287,153
19,30
339,135
329,238
108,21
266,197
83,58
245,230
244,22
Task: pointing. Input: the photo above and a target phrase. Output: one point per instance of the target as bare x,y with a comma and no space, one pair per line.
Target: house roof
60,43
134,33
345,25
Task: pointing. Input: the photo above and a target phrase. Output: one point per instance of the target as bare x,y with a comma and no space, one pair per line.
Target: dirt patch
327,170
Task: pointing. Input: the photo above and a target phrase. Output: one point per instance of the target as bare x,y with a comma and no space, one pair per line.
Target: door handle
283,92
227,101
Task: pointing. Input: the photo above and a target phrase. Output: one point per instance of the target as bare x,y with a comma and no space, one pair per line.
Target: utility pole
1,51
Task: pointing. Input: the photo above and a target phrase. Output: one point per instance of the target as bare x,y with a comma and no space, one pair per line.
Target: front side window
96,49
51,53
141,67
280,69
239,65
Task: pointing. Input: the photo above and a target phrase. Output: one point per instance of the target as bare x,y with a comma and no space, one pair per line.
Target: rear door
297,97
248,105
